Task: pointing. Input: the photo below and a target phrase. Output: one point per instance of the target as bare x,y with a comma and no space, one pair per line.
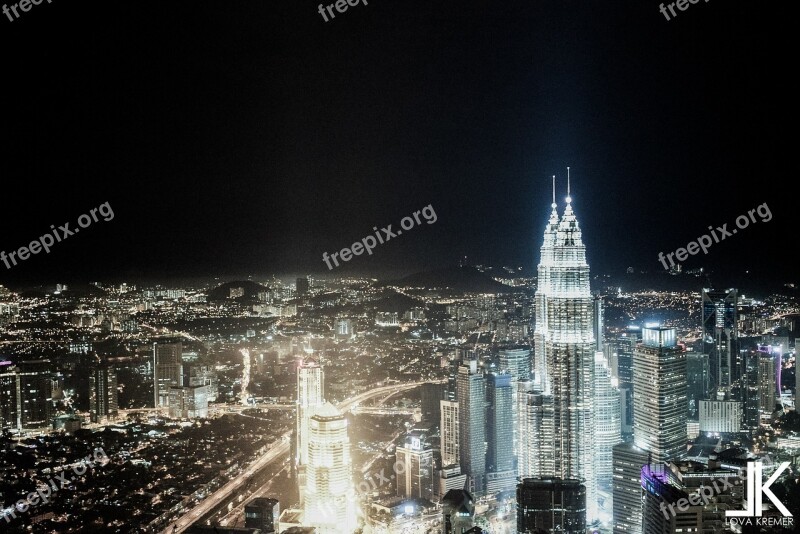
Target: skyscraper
697,375
471,392
767,384
416,457
103,404
167,370
564,349
329,502
551,505
449,433
501,475
628,460
535,458
619,352
310,397
607,421
720,333
659,394
262,513
516,362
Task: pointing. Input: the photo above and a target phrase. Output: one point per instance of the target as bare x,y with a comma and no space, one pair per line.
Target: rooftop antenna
569,199
554,191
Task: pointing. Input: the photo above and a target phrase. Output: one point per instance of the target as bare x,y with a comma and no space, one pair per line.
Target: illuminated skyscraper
501,475
167,370
564,349
659,395
607,421
329,503
471,388
310,397
416,457
103,405
720,333
535,431
516,362
628,460
448,430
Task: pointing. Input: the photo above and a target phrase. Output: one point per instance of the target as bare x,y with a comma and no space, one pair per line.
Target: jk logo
756,490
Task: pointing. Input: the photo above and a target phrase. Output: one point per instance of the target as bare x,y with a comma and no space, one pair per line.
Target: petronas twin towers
560,415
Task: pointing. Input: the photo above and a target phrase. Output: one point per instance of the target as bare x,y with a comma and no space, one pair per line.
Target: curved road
277,450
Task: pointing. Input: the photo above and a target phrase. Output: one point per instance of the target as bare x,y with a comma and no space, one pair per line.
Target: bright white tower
564,349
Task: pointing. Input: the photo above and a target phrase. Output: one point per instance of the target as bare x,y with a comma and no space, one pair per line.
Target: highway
276,451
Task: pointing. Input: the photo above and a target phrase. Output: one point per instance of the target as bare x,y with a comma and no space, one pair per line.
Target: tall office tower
103,404
697,380
705,493
8,398
768,393
535,459
516,362
329,503
167,370
598,322
720,336
310,397
458,512
659,390
262,513
628,460
449,434
752,392
302,286
34,390
416,457
564,349
607,421
204,375
551,505
500,473
188,402
619,351
431,396
471,388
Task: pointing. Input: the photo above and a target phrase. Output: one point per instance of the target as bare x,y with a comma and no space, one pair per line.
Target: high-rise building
501,475
628,460
449,433
103,404
167,370
262,513
752,391
666,485
659,390
598,323
619,352
34,394
329,503
767,384
697,376
535,458
188,402
516,362
302,286
310,397
551,505
471,391
416,457
720,334
8,398
564,345
607,421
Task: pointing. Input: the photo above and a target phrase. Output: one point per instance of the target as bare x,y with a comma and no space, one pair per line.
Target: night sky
250,137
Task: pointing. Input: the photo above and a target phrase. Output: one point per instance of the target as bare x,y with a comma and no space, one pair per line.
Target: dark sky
252,136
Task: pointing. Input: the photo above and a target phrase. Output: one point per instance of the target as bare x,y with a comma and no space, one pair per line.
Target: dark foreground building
551,505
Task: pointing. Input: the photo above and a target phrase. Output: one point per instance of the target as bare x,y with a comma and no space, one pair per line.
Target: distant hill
457,279
250,291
